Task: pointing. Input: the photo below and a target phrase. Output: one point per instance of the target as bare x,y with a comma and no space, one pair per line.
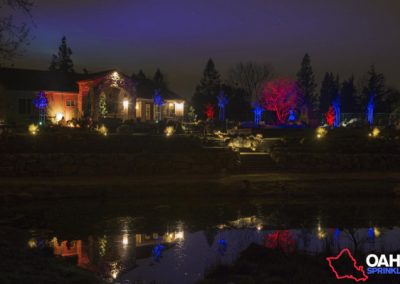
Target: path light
320,232
321,132
33,129
377,232
375,132
32,243
102,130
169,131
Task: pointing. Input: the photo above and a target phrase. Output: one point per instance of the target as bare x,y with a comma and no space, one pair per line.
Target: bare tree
13,33
250,76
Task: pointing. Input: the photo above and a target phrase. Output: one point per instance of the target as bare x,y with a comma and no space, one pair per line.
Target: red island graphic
347,276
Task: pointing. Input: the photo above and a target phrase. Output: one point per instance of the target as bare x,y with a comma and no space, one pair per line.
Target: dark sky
344,36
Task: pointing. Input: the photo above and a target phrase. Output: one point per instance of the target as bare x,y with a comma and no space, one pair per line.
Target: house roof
145,92
35,80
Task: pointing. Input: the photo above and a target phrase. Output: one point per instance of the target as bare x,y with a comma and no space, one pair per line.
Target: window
71,103
148,112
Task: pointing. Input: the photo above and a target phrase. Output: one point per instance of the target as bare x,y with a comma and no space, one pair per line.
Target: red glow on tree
210,111
283,240
330,116
281,95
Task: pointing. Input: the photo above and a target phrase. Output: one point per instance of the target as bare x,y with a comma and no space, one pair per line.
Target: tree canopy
207,90
62,61
306,82
13,34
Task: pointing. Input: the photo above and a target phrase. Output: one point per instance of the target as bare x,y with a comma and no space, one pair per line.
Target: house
72,96
146,110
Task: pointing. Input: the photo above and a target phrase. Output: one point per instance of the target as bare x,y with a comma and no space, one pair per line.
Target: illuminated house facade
72,96
173,108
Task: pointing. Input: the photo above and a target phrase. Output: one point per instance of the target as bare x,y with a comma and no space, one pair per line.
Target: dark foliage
207,90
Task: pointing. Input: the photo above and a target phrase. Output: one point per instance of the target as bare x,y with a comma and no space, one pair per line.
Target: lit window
71,103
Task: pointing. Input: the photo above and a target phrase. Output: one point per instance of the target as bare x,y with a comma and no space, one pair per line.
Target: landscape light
59,116
102,130
377,232
375,132
179,235
33,129
321,132
169,131
32,243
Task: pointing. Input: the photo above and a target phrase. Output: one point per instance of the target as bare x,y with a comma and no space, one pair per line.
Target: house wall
62,104
170,110
17,107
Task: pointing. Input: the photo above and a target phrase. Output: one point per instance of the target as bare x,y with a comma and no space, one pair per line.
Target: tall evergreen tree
62,61
329,91
140,75
239,107
159,80
306,81
375,86
348,95
207,90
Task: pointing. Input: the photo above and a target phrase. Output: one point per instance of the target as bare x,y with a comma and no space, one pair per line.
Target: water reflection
109,255
100,237
184,257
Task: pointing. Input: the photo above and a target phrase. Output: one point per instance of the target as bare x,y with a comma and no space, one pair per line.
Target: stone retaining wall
92,164
336,161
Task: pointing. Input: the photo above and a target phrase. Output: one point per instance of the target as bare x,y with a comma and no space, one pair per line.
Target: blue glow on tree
222,246
157,251
159,102
371,233
222,102
41,102
258,110
336,235
370,110
336,107
292,116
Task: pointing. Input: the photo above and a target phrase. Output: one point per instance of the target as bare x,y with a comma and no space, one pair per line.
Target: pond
178,240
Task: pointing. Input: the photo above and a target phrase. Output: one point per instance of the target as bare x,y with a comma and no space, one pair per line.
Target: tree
140,75
13,34
210,111
103,105
207,90
329,91
250,77
306,82
159,80
281,96
239,107
348,95
330,116
62,62
375,86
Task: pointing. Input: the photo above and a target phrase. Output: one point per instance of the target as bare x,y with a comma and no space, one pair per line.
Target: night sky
344,36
